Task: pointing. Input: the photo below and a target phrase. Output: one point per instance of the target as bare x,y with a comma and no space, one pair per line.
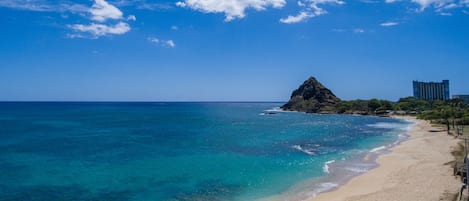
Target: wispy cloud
170,43
302,16
43,6
232,9
426,3
389,24
97,30
154,6
441,7
370,1
358,30
310,8
131,18
174,28
353,30
339,30
163,43
445,14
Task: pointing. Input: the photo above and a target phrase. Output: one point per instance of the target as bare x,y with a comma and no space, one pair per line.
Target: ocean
182,151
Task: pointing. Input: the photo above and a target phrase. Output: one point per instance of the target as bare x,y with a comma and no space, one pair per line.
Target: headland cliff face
312,97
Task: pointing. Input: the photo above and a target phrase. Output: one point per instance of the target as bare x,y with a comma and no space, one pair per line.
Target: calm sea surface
176,151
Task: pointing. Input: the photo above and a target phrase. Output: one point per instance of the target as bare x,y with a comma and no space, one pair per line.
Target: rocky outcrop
312,97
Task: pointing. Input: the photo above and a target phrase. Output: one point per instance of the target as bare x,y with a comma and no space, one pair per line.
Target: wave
325,168
306,151
357,170
275,109
376,149
388,125
323,187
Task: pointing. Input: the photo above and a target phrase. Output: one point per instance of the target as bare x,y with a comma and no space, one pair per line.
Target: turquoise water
174,151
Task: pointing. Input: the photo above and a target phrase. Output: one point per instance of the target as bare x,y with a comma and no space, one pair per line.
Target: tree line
454,111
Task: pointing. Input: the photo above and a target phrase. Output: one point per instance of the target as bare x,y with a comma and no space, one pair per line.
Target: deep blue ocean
179,151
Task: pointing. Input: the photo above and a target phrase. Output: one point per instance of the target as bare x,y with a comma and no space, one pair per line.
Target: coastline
413,170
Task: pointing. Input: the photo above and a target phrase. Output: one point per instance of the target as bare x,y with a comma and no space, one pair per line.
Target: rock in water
312,97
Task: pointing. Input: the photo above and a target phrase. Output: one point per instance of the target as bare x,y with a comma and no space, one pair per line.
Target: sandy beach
414,170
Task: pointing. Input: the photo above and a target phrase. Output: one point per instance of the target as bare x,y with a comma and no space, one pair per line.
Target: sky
228,50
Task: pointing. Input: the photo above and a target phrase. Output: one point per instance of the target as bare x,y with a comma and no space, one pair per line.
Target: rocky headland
312,97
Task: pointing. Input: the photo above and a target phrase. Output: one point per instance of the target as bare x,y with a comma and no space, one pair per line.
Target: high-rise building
431,90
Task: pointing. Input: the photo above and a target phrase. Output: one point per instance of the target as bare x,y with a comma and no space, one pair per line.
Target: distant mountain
312,97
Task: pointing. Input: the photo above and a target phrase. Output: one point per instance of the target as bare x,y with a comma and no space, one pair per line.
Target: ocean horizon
182,150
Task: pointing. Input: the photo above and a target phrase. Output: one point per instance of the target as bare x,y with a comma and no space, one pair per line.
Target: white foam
356,169
275,109
376,149
325,168
389,125
299,148
326,186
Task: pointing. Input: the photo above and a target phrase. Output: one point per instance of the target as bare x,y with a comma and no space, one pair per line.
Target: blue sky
228,50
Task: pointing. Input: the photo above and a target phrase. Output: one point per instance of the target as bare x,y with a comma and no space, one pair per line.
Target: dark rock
312,97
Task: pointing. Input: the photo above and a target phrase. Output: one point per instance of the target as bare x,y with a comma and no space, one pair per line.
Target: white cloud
26,5
42,6
355,30
153,40
174,27
425,3
73,36
302,16
369,1
162,43
154,6
97,30
311,8
451,5
441,7
170,43
389,24
231,8
358,30
131,18
102,11
181,4
339,30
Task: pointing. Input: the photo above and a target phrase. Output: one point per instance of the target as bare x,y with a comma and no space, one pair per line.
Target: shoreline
340,171
413,170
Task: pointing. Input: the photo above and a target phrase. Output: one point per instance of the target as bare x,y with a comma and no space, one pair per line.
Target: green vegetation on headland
313,97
